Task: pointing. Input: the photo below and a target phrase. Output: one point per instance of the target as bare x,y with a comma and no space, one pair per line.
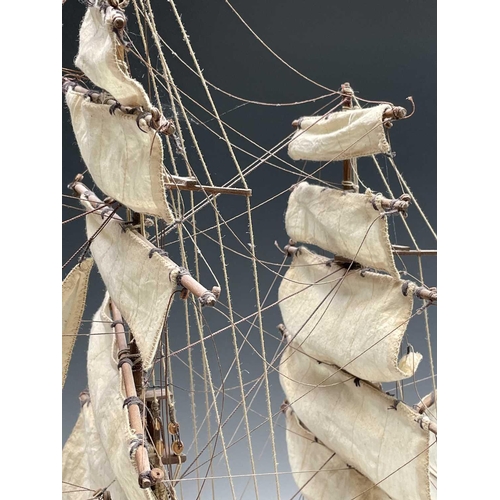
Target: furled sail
340,222
355,319
140,281
320,473
367,428
84,461
107,394
101,57
74,293
340,135
125,162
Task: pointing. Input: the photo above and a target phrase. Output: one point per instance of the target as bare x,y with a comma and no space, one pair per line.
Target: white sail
343,223
352,319
385,444
340,135
125,163
74,293
334,479
85,464
107,395
431,413
101,58
140,282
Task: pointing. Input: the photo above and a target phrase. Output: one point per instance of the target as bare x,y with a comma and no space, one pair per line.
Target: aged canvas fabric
343,223
74,293
125,163
101,58
340,135
431,414
335,479
140,285
107,395
85,463
386,445
354,320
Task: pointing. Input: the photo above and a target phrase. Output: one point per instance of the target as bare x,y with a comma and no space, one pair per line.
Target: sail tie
158,251
136,442
376,202
134,360
119,4
125,360
133,400
368,269
182,272
404,288
394,405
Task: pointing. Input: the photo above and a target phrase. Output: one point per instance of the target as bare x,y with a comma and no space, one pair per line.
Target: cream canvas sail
340,222
125,162
385,444
101,58
84,460
340,135
107,395
74,293
139,281
431,413
334,479
354,319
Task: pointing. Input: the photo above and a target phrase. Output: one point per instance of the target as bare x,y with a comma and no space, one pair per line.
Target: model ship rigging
345,316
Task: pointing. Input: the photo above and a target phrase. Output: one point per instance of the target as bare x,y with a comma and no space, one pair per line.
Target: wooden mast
350,178
147,476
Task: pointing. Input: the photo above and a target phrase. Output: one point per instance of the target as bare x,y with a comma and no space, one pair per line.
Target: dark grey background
385,49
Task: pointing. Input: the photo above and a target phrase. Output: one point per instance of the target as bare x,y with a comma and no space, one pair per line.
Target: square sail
343,223
340,135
